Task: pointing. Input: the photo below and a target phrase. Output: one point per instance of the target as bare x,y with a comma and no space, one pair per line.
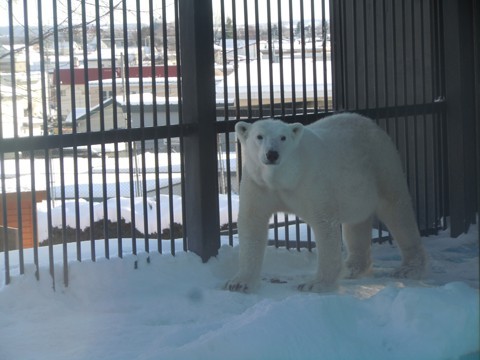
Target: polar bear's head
268,141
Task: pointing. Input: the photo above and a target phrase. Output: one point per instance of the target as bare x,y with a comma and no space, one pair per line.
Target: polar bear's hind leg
400,220
357,238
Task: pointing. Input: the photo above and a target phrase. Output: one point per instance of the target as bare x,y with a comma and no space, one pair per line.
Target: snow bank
174,308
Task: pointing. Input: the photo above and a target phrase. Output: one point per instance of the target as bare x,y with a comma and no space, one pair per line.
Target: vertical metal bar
282,92
326,100
414,101
356,104
424,122
365,56
169,138
126,92
101,100
61,163
280,57
115,126
292,57
270,60
375,57
345,52
74,131
313,39
44,110
30,126
226,118
181,121
15,134
235,59
304,65
259,60
198,87
155,122
6,252
435,85
142,124
294,106
247,62
458,26
88,129
405,92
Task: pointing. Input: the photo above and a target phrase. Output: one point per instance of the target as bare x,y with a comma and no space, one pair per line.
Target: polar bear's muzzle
272,157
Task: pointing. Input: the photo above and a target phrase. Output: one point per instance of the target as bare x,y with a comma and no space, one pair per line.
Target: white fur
337,171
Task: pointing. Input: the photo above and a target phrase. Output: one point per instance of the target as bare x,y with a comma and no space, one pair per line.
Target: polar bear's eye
259,137
283,138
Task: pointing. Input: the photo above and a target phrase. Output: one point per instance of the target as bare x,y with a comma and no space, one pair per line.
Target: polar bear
335,174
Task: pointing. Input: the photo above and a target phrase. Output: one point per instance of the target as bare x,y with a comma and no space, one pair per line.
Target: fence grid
117,118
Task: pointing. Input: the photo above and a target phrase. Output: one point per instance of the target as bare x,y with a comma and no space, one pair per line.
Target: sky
104,5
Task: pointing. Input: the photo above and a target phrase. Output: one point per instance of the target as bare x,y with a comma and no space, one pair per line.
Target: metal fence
117,118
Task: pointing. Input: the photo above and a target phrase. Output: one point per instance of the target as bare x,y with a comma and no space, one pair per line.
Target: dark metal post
460,112
202,223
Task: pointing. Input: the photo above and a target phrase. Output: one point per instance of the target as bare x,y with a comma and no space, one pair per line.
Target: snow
152,306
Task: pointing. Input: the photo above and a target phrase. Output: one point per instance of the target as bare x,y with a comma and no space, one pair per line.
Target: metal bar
44,112
30,133
303,52
115,127
313,39
226,118
271,55
183,126
198,87
6,252
61,164
425,122
324,58
169,137
101,100
414,99
142,125
259,58
74,131
247,55
155,121
280,56
366,90
292,56
458,34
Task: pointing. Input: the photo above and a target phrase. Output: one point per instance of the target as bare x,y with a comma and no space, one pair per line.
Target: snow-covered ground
174,307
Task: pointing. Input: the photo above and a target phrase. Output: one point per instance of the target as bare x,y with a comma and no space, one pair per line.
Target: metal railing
122,117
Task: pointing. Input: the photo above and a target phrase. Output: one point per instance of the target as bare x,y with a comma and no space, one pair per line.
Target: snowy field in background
175,308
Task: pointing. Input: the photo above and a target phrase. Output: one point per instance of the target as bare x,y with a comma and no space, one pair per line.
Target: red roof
81,75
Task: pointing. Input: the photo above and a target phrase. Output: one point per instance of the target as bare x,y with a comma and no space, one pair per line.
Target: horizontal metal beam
19,144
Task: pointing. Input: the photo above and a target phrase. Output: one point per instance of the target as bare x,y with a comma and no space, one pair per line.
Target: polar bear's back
344,124
349,132
361,146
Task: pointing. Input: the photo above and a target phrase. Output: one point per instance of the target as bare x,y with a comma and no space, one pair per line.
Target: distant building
75,80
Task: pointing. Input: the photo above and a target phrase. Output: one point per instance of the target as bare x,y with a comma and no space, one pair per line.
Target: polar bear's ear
297,130
242,128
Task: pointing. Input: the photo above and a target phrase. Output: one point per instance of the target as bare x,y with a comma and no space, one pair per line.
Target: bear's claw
236,286
317,286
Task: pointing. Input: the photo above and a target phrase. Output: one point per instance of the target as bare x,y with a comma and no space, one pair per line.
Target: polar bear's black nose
272,156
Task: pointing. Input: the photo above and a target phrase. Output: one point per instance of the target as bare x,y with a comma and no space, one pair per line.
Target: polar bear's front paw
413,268
409,272
355,268
317,286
